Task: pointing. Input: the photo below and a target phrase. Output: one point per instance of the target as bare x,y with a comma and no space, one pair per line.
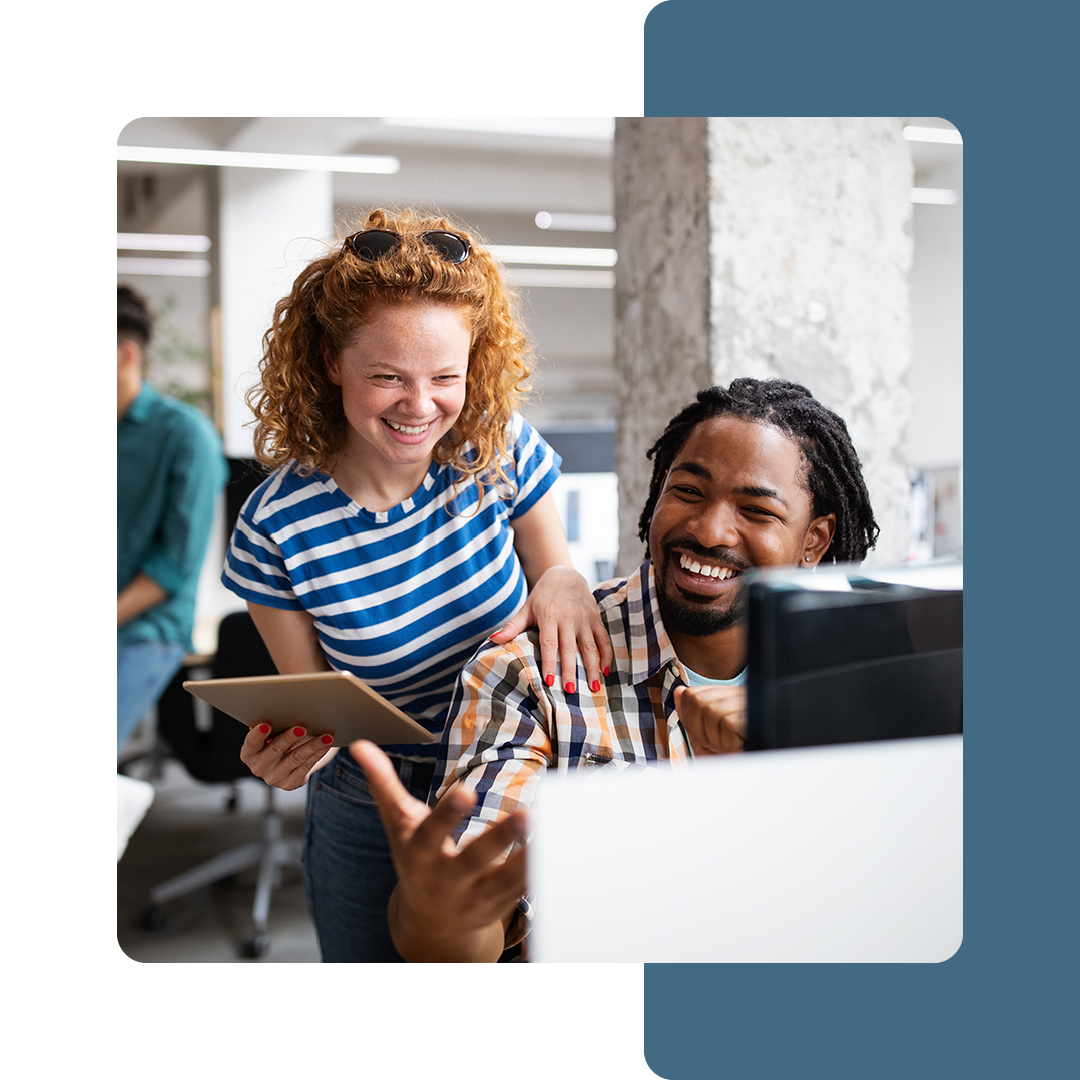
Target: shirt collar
647,626
140,408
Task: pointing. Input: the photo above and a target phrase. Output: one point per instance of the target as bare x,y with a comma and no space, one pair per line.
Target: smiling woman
402,379
409,517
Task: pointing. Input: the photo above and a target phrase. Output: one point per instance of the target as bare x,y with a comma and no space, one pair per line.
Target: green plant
176,365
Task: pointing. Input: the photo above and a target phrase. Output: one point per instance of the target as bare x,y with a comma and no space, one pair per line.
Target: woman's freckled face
402,379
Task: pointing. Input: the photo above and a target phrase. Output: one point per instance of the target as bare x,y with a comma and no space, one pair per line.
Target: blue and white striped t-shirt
401,597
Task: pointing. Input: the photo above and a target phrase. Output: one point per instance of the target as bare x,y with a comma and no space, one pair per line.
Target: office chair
213,756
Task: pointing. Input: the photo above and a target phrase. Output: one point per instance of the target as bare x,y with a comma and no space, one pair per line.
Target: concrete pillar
271,223
808,225
661,179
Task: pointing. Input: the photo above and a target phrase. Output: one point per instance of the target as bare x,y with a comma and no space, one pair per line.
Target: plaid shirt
507,727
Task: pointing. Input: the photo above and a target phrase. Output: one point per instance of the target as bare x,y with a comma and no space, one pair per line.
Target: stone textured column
662,294
810,247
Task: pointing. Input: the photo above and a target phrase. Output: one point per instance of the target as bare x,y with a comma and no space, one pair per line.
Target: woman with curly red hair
408,517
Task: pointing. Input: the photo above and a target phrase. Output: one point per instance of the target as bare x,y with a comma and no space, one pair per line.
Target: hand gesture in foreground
714,717
449,905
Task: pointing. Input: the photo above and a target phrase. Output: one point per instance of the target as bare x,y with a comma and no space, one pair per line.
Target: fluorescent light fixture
933,195
562,279
130,241
341,163
933,134
164,267
564,127
576,222
559,256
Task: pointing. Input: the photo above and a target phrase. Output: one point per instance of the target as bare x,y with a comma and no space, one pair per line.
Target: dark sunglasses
372,244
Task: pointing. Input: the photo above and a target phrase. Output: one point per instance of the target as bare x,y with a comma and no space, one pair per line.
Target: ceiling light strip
934,196
164,267
562,279
933,134
340,163
161,242
554,256
575,222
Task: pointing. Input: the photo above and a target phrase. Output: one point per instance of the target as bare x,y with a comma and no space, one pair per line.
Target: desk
828,854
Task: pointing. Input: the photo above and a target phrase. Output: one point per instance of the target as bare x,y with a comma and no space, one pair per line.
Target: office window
573,516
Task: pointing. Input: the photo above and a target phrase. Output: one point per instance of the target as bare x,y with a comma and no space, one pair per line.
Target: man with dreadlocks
759,474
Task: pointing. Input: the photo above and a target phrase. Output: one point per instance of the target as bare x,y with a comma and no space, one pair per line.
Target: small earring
807,558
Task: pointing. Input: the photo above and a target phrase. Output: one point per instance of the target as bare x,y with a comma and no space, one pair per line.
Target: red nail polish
595,685
264,729
298,731
569,687
328,739
607,672
549,679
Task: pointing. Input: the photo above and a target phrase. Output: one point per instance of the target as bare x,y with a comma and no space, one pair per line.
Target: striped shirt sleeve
255,566
537,466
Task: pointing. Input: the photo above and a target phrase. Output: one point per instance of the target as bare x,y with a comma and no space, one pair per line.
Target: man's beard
689,615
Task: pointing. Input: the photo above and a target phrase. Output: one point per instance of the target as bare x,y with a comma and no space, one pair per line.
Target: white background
73,77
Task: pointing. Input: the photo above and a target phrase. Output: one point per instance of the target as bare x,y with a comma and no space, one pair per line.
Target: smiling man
759,474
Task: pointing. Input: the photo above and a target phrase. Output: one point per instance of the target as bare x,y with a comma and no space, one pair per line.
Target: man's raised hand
449,905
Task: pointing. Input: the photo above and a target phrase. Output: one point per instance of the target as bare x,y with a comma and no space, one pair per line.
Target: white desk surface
830,854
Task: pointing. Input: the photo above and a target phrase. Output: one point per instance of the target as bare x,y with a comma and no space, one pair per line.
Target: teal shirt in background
169,470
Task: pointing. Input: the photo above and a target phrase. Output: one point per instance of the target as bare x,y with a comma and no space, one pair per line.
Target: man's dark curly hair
833,473
133,318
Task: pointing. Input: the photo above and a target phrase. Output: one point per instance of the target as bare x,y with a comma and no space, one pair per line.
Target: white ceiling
491,174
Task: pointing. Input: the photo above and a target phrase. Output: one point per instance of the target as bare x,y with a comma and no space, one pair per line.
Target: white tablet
325,703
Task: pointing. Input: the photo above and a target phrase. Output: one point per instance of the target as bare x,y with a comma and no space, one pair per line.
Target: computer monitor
847,655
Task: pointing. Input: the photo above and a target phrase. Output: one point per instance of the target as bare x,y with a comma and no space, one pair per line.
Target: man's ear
333,371
128,355
818,537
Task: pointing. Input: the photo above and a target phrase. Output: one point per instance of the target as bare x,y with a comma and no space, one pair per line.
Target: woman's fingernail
264,729
607,672
298,731
595,685
549,679
328,739
569,687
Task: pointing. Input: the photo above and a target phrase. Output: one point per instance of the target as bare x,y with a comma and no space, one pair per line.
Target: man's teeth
408,430
695,567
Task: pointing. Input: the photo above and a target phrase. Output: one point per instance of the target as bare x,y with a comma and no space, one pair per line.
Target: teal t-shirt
694,679
169,470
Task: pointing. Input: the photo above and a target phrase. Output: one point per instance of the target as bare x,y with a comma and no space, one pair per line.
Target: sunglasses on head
372,244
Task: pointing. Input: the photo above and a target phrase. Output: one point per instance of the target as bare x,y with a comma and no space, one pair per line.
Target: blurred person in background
169,470
409,518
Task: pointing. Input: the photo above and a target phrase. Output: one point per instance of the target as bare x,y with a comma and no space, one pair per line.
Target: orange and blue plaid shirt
507,727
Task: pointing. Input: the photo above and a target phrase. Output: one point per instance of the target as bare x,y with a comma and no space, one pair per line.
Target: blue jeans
143,670
348,873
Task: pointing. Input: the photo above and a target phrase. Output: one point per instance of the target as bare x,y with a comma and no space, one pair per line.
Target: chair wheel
154,919
255,946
